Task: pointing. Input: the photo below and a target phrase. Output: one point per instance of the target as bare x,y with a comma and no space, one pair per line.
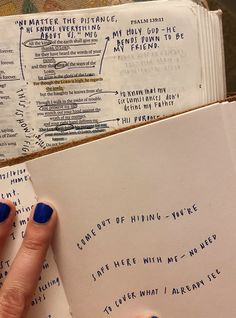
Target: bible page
72,74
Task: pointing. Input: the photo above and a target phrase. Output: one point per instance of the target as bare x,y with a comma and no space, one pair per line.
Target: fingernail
4,211
42,213
147,315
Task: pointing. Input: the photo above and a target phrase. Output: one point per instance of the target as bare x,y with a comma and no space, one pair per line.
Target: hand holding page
49,300
146,220
146,216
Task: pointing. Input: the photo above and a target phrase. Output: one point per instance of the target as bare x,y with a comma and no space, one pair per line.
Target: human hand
18,289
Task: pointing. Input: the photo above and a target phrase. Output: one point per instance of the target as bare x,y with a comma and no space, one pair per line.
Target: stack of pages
73,74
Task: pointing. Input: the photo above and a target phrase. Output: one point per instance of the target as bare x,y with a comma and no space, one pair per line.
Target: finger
22,280
148,315
7,214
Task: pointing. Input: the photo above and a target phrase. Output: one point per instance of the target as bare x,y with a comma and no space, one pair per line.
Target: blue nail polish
42,213
4,211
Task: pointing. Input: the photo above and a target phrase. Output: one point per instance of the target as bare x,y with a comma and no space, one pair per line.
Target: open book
72,74
147,220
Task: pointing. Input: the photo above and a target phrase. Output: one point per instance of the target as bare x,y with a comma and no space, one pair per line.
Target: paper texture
9,7
229,118
147,219
49,300
73,74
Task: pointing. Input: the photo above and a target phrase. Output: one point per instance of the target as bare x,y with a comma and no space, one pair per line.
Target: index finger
22,280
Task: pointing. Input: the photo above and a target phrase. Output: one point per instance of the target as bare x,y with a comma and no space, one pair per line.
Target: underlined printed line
64,56
10,80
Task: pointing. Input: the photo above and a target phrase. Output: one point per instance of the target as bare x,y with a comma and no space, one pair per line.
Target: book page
49,300
229,118
147,219
68,75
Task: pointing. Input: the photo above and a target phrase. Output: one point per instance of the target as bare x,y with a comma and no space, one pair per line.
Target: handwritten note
49,299
147,218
